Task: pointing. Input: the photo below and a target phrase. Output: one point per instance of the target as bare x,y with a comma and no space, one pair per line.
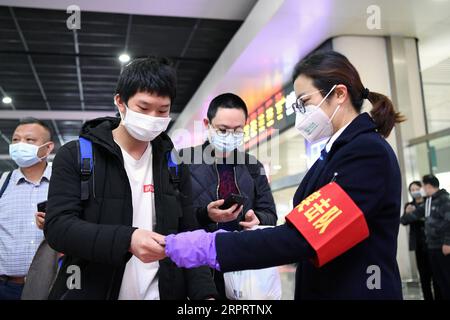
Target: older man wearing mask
21,190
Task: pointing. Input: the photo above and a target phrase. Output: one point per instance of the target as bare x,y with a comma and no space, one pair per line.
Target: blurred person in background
436,212
417,241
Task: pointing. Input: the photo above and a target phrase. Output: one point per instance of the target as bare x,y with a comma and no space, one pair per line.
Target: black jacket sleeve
404,213
416,215
264,204
199,280
261,248
446,213
204,220
64,228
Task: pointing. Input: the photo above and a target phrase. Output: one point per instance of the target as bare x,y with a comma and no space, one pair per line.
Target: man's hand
446,249
147,246
40,219
218,215
251,220
410,208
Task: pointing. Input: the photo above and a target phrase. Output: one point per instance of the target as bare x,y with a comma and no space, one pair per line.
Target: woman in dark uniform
357,158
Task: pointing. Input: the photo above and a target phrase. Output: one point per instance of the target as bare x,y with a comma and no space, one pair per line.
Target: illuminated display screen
274,113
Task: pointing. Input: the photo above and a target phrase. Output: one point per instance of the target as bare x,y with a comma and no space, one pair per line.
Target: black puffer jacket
416,229
251,182
96,235
437,222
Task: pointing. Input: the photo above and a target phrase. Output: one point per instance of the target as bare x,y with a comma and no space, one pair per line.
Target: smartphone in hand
232,199
42,207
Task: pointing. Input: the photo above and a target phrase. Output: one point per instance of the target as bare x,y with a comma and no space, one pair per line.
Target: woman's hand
410,208
193,249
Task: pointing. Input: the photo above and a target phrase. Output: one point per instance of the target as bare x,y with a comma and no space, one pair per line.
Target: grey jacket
42,273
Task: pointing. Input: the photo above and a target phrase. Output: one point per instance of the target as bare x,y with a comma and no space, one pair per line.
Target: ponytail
383,113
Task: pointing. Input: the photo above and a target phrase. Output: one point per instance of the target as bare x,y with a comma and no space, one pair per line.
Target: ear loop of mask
334,113
338,107
120,113
329,92
208,133
40,159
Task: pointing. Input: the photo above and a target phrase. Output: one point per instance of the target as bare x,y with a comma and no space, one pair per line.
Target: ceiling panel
49,69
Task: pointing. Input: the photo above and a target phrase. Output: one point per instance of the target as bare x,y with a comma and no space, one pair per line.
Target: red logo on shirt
149,188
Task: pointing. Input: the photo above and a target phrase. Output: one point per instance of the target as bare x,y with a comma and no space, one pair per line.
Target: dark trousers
440,265
220,284
425,273
10,291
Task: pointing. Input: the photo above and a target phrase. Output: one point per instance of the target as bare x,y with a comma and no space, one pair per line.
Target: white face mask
24,154
416,194
143,127
226,143
314,124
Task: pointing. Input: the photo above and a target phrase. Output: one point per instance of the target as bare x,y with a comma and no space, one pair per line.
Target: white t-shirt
140,280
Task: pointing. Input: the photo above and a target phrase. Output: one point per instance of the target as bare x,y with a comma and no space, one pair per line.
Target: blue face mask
226,143
24,154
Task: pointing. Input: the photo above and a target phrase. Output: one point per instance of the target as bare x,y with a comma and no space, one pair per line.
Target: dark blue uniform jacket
366,167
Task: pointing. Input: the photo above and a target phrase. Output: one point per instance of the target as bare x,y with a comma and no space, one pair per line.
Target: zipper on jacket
218,181
235,180
93,172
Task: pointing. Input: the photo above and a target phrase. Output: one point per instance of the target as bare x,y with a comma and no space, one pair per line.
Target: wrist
204,217
132,240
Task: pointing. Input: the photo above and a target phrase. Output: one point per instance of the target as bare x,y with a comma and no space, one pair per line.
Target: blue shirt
19,235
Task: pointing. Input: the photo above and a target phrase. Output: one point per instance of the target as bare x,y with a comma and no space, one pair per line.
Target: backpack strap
173,170
86,166
4,181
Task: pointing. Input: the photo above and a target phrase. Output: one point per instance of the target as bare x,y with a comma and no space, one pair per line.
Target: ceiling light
124,58
6,100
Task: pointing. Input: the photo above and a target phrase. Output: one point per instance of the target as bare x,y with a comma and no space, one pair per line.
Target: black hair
228,101
431,180
31,120
416,182
327,68
154,75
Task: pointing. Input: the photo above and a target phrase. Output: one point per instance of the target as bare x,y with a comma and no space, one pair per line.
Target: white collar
334,137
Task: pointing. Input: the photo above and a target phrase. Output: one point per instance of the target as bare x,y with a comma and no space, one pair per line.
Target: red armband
330,221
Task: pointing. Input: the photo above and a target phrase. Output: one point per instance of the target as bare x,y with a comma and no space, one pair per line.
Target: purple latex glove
193,249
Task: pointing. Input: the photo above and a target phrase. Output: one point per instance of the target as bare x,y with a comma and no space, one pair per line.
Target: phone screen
231,200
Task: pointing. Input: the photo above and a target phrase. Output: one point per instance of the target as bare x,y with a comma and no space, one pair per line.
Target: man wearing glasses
220,168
